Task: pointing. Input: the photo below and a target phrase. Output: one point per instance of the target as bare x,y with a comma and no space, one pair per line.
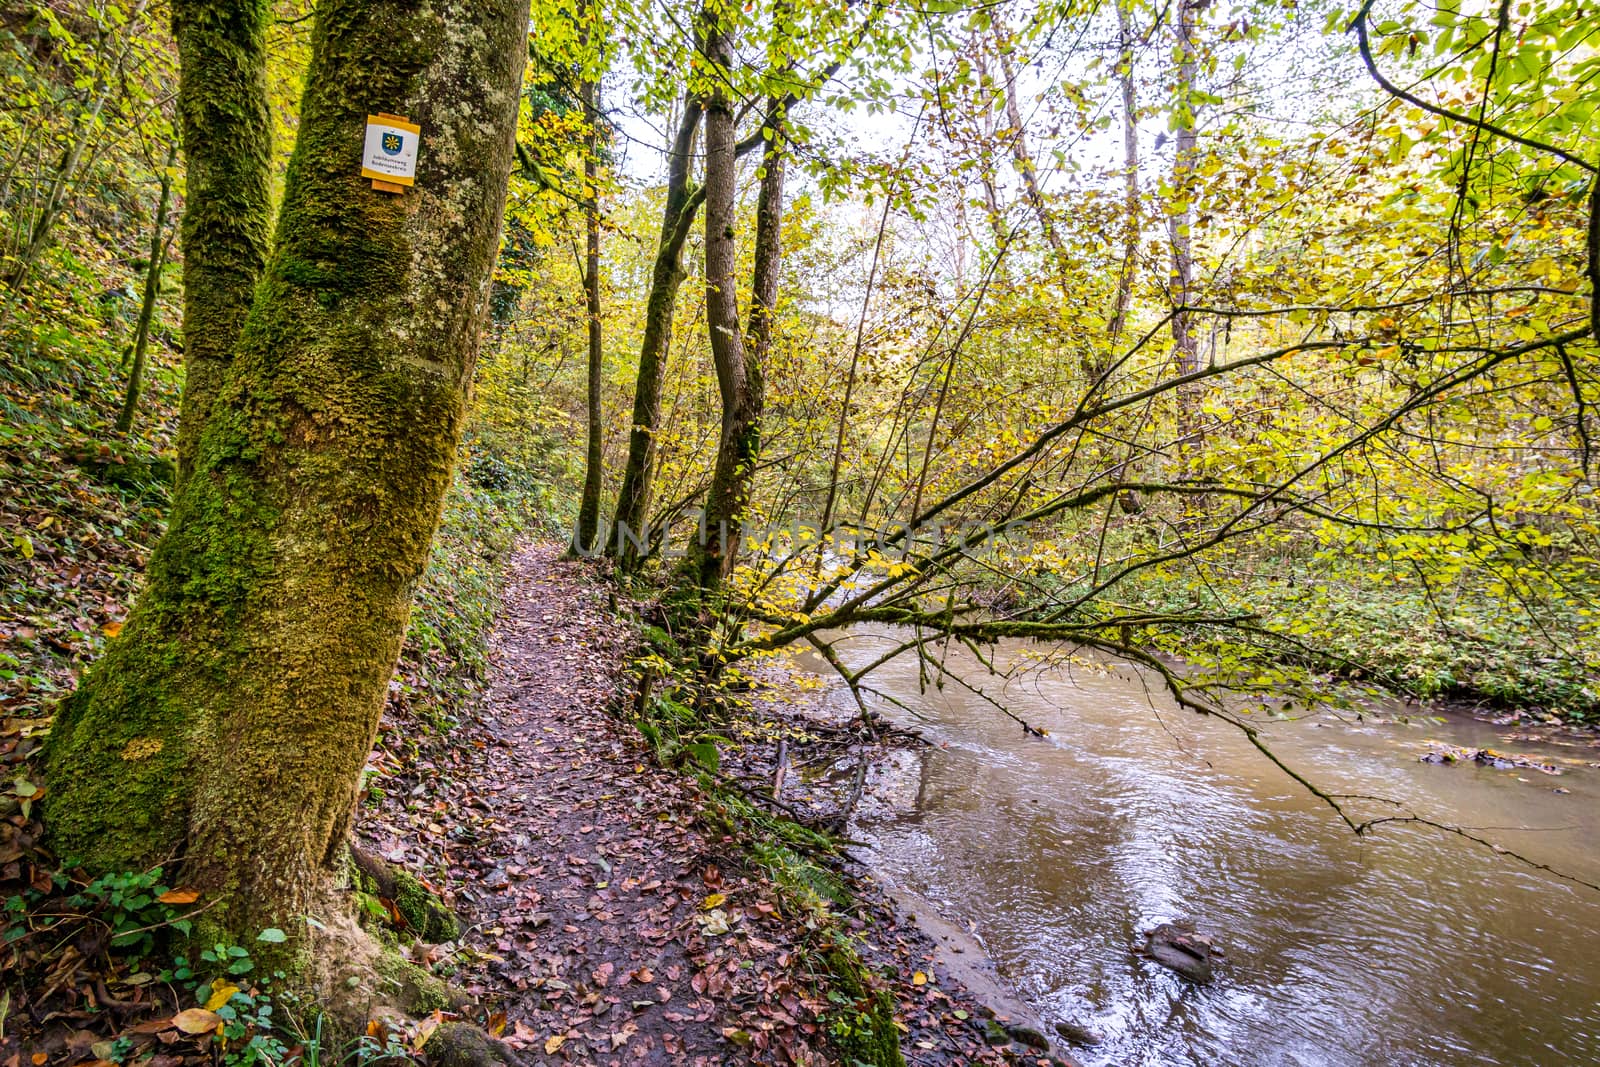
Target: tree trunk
1179,223
1130,186
1185,349
1022,158
740,359
147,306
228,724
227,150
586,538
84,131
633,499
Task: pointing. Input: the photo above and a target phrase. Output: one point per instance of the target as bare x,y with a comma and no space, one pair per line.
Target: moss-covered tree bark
586,538
226,129
228,724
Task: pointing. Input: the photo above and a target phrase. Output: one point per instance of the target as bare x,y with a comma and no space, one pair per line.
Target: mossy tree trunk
226,129
586,538
229,722
159,241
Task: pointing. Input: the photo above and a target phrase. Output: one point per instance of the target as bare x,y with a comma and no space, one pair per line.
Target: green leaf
272,935
705,754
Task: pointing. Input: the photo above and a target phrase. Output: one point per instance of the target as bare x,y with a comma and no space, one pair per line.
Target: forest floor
609,919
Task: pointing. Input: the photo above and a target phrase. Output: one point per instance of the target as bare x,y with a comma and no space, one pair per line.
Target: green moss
862,1032
426,917
414,989
861,1025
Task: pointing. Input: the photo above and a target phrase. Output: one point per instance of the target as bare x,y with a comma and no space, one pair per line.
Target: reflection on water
1405,947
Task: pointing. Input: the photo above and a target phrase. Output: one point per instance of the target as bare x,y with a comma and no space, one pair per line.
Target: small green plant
256,1025
132,907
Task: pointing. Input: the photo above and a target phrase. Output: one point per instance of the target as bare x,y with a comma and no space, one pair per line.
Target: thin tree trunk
228,724
738,358
633,499
586,538
710,548
83,135
227,149
1179,224
1130,185
1185,348
739,449
1025,165
152,289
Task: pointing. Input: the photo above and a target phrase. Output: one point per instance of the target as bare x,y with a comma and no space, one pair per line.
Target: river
1407,946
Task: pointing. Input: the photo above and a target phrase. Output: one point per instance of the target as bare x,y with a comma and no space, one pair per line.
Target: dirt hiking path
606,920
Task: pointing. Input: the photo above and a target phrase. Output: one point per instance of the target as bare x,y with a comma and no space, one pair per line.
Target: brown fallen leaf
197,1021
179,896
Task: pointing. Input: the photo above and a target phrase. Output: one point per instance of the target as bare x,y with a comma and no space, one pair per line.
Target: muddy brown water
1404,947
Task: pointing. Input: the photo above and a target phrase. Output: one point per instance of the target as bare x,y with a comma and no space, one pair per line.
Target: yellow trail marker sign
389,156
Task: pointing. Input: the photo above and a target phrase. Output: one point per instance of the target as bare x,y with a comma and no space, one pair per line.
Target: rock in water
1178,948
1073,1034
1027,1035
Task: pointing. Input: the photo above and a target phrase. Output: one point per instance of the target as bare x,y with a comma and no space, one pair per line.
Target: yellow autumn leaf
715,900
919,979
425,1030
554,1043
221,993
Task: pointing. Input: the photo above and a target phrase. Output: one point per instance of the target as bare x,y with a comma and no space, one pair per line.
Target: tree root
464,1045
424,915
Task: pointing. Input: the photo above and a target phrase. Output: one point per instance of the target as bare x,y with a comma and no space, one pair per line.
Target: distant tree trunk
152,289
226,130
677,215
1185,347
83,134
1179,223
586,537
228,724
740,358
1130,185
1023,159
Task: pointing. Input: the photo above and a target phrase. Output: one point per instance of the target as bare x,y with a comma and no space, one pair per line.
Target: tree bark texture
226,129
740,357
228,724
677,215
587,535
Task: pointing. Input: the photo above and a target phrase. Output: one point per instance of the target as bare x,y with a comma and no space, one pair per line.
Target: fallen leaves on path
607,923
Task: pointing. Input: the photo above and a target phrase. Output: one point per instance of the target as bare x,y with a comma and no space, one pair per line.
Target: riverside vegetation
1253,344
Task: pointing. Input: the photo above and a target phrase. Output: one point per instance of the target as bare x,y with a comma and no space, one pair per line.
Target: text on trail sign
390,152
